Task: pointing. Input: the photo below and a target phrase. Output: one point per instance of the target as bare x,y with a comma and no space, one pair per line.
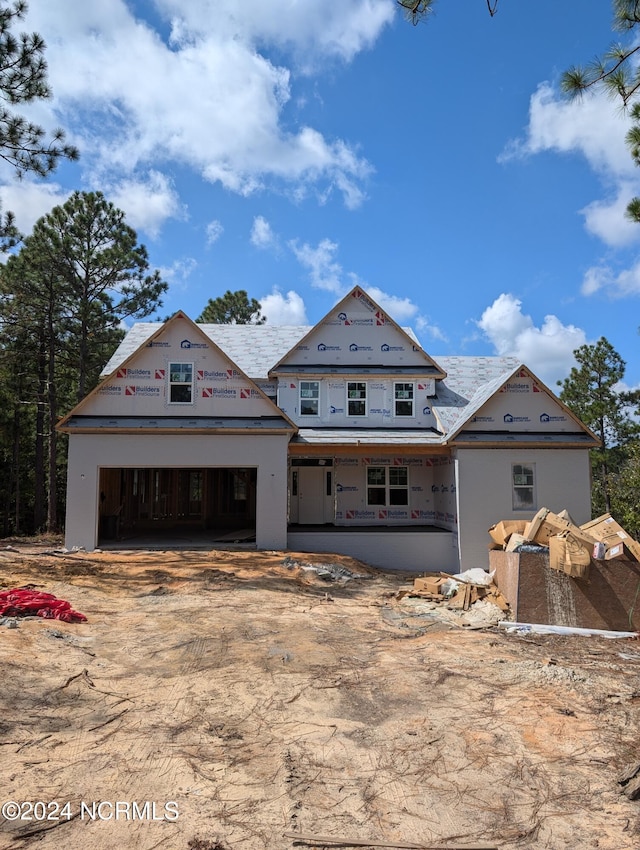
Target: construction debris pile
459,592
571,547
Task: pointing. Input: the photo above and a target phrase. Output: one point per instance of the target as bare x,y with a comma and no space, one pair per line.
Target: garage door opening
211,503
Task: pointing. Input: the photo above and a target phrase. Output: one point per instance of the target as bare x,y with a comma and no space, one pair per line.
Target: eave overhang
528,439
208,425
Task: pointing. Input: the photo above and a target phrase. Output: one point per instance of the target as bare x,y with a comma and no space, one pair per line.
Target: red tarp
29,603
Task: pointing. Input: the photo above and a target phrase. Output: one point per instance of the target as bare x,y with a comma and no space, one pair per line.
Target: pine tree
23,80
63,298
232,308
590,391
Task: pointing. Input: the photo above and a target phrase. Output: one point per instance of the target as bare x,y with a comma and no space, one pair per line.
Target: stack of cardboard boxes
571,547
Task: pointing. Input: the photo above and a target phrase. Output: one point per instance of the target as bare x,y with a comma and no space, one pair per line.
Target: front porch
412,548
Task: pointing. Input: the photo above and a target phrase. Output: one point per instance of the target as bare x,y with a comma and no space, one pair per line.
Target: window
356,398
387,485
309,398
403,395
180,383
524,492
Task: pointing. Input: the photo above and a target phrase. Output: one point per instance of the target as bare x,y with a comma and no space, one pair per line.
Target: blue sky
294,149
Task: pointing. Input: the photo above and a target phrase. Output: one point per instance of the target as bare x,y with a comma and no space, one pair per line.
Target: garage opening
160,502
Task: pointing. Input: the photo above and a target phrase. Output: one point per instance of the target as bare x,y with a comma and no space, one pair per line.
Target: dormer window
180,383
356,398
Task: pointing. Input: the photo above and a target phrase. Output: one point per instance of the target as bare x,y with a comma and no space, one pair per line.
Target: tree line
65,297
63,300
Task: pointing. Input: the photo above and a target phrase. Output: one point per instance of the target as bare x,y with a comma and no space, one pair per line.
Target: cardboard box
566,515
570,553
619,551
502,531
607,530
515,540
604,526
544,525
429,584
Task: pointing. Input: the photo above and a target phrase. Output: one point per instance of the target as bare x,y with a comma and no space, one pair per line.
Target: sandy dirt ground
252,700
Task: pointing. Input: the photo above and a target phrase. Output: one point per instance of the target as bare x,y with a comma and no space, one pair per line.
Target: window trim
389,487
357,399
309,398
412,400
516,504
191,384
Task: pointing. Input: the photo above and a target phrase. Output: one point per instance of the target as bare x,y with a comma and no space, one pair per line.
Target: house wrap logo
186,343
386,347
355,347
545,417
323,347
355,514
509,418
426,411
211,375
420,514
144,374
141,390
516,387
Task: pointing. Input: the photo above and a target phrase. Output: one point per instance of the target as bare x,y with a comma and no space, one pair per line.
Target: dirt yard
252,700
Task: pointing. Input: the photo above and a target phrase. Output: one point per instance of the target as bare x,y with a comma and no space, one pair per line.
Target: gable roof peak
363,316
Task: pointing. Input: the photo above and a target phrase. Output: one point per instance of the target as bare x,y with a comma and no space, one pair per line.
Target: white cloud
282,309
424,327
207,96
262,236
148,202
324,271
404,311
607,220
592,126
214,231
29,201
311,29
179,272
617,285
400,309
547,350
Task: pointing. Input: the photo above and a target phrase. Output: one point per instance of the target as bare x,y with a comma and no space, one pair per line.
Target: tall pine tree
591,392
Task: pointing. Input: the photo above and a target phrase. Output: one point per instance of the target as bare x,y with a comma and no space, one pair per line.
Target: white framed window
523,486
356,398
180,383
309,398
403,394
387,485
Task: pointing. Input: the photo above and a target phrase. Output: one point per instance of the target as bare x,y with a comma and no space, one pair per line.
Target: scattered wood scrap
432,587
